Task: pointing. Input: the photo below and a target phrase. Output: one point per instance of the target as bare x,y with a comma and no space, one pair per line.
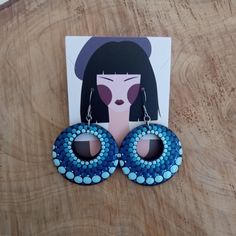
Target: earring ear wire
89,113
146,117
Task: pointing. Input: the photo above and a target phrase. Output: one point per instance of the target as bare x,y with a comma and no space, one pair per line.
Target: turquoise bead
140,179
69,175
159,179
87,180
96,179
112,169
105,175
167,174
149,180
174,169
126,170
121,163
78,179
54,154
61,170
56,162
132,176
178,161
115,162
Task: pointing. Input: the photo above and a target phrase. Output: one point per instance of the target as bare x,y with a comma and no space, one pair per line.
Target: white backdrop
160,59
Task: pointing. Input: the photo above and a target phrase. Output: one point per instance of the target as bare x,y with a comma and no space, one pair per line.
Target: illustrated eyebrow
130,78
106,78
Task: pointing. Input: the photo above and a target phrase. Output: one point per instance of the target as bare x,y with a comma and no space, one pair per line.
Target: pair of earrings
72,166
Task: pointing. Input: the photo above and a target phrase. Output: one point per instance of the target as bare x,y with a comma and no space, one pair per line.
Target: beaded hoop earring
72,166
161,168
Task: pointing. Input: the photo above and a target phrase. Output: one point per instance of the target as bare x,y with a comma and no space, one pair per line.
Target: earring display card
119,70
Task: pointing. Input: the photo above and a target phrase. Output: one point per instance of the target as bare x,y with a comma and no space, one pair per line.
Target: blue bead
87,180
56,162
167,174
178,161
174,169
121,163
140,179
61,170
180,151
105,175
54,154
96,179
112,169
69,175
159,179
78,179
132,176
115,162
149,180
126,170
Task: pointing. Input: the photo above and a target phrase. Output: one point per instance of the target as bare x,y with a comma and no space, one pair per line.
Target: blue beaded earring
72,166
159,169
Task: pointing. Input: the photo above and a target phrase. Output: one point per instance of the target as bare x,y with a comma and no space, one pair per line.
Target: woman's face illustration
118,91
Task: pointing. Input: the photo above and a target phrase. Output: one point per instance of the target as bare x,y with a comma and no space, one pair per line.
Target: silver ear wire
146,117
89,113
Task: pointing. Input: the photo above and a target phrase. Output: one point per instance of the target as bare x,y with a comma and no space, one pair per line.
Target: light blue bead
54,154
61,170
149,180
158,178
126,170
180,151
87,180
174,169
167,174
178,161
121,163
132,176
56,162
78,179
69,175
112,169
115,162
96,179
105,175
140,179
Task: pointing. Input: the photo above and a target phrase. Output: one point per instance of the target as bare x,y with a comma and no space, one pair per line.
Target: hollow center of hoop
86,147
150,147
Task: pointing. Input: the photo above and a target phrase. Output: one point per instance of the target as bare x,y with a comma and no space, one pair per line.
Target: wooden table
36,200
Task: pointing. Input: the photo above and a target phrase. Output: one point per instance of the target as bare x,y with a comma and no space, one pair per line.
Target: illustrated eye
105,94
133,93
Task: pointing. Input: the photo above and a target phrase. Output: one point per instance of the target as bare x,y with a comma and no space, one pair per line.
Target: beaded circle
71,166
158,170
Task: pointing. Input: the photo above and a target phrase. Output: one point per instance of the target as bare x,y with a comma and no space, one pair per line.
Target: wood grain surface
36,200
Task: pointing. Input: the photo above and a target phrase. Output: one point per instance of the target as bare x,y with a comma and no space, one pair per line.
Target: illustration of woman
118,71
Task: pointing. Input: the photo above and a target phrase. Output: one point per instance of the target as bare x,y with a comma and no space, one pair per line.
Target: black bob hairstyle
120,58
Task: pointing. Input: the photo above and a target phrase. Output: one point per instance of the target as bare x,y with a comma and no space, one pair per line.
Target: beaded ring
160,169
71,166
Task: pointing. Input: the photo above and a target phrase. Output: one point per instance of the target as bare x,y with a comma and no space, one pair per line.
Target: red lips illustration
119,102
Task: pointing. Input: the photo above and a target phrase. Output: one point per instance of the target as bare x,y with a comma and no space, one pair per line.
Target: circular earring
72,166
158,170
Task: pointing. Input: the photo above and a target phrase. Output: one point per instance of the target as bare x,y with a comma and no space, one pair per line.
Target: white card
159,55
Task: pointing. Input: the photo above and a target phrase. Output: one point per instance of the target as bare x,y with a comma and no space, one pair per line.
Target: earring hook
146,117
89,113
